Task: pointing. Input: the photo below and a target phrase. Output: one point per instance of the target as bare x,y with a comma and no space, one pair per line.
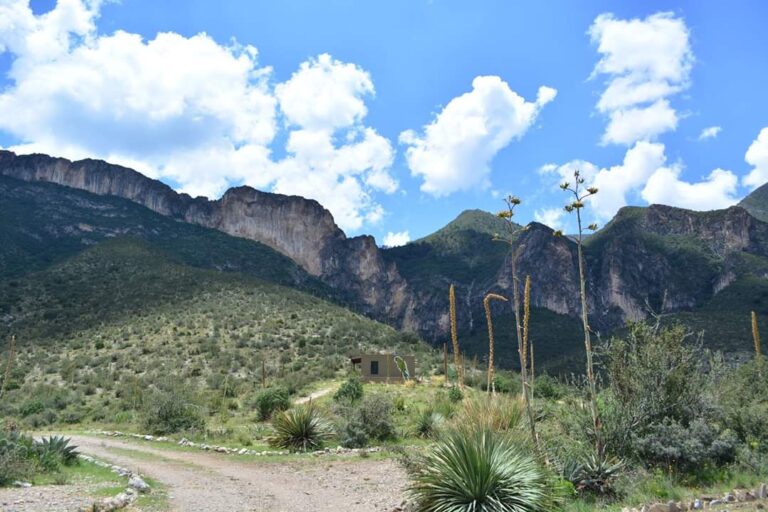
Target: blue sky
204,112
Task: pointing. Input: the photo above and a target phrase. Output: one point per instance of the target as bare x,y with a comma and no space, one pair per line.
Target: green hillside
756,203
463,251
123,315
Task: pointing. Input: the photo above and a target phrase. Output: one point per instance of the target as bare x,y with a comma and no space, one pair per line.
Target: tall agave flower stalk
580,194
527,344
756,336
521,328
487,303
455,339
758,344
8,366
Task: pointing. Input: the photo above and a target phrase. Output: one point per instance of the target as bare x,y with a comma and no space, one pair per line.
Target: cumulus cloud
645,61
455,150
396,239
757,157
552,217
200,113
645,171
710,132
717,190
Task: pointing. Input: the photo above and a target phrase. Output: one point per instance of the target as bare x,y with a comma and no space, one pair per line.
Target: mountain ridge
657,258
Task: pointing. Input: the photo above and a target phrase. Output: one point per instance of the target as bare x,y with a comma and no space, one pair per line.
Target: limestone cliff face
298,228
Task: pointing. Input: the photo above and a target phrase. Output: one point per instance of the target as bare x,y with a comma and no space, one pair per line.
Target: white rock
138,483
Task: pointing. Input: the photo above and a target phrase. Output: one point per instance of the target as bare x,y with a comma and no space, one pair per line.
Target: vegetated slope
756,203
43,223
123,315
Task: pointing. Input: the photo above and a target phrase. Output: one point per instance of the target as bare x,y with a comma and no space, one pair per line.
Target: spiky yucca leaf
478,470
299,429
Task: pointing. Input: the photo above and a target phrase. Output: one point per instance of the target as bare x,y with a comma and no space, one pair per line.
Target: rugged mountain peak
297,227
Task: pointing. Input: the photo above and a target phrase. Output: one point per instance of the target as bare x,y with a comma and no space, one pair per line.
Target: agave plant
56,448
299,429
478,470
593,474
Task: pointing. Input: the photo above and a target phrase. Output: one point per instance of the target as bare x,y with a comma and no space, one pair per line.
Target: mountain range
707,269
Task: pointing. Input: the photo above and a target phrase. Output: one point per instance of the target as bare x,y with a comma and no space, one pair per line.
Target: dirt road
201,481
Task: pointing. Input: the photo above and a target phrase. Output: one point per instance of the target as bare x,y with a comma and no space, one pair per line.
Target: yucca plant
299,429
478,470
429,423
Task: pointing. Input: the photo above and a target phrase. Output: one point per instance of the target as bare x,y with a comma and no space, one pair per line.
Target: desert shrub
506,382
271,400
655,375
299,429
455,394
744,400
370,420
351,390
478,470
16,461
166,411
686,448
546,386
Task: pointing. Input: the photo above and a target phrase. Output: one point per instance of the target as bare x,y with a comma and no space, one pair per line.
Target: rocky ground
218,483
48,498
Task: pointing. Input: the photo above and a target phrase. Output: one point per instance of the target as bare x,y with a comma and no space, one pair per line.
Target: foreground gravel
203,481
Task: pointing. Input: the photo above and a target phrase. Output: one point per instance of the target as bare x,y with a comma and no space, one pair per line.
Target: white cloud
552,217
710,132
456,148
757,157
646,61
718,190
325,94
189,109
396,239
588,170
630,125
615,183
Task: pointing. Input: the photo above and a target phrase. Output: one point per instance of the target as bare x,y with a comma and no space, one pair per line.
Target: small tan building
382,367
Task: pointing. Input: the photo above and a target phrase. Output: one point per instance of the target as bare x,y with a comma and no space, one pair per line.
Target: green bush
170,411
299,429
455,394
16,458
686,448
370,420
351,390
478,470
271,400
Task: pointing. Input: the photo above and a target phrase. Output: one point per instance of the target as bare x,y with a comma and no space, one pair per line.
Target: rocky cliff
299,228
